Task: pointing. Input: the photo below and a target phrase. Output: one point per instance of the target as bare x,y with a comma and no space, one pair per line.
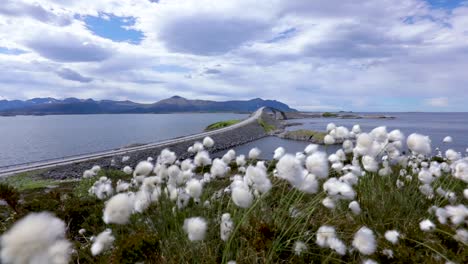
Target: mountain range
52,106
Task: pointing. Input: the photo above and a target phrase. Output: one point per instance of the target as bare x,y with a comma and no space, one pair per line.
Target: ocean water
435,125
35,138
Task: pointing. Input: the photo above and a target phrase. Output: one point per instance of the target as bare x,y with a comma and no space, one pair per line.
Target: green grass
304,134
221,124
265,232
267,127
328,114
28,181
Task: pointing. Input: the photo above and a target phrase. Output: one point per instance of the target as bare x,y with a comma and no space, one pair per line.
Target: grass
328,114
304,134
267,127
28,181
265,232
222,124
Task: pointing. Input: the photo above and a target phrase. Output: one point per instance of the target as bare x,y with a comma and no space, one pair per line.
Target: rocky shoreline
224,140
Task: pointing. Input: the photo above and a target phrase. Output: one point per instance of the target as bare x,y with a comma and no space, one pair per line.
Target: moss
221,124
28,181
267,127
328,114
306,135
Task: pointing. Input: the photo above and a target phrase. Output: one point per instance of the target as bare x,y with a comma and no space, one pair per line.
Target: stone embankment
226,138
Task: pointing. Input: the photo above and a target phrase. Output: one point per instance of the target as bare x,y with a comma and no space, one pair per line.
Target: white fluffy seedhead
392,236
317,164
227,225
208,142
102,242
167,157
240,160
35,237
419,144
195,227
194,188
279,152
218,168
241,195
290,169
364,241
202,159
143,168
118,209
254,153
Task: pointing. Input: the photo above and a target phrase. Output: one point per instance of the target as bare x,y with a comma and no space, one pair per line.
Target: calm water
34,138
435,125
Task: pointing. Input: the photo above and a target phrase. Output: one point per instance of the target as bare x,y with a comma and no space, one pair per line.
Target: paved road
5,171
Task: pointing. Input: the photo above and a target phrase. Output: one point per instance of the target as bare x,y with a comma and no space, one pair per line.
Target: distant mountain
51,106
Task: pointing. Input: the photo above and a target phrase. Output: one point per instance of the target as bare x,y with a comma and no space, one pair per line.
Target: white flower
356,129
102,188
461,171
290,169
279,152
328,140
395,135
419,144
317,164
202,159
167,157
208,142
229,156
122,186
82,231
127,170
330,127
425,176
254,153
457,213
118,209
299,247
329,203
36,238
388,252
102,242
461,235
187,165
447,139
354,207
370,164
194,188
144,168
452,155
309,184
348,146
88,174
379,134
324,233
392,236
369,261
337,245
241,196
195,227
257,177
218,169
142,201
426,225
311,148
226,226
364,241
465,193
240,160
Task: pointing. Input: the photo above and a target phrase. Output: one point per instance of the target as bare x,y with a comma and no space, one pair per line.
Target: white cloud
338,54
438,102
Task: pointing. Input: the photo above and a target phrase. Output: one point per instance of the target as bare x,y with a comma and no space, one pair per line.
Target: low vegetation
305,135
221,124
328,114
267,127
363,203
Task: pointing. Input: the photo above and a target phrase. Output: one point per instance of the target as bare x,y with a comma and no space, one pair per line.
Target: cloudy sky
372,55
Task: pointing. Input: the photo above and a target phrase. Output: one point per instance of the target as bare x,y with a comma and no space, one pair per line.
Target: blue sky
324,55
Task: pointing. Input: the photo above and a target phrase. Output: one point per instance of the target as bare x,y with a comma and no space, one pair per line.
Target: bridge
237,134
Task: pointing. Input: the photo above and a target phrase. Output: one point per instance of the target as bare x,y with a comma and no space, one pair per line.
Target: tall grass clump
365,203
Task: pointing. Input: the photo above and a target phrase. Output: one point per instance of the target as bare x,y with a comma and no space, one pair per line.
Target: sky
330,55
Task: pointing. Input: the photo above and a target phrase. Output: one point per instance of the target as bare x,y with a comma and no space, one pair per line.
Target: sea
25,139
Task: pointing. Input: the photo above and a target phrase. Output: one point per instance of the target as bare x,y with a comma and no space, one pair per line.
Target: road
5,171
